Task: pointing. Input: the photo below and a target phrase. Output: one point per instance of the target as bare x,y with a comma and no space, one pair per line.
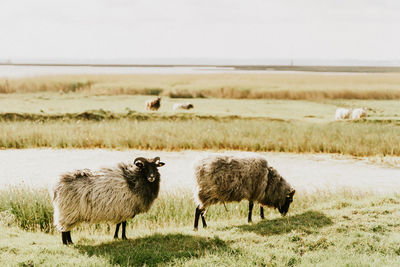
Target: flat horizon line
243,67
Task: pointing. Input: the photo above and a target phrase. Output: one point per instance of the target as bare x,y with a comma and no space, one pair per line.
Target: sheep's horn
156,159
139,159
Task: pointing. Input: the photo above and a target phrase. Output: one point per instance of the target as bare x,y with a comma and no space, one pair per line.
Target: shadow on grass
308,222
155,249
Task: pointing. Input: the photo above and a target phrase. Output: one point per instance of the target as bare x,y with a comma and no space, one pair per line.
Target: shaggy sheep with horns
110,194
223,179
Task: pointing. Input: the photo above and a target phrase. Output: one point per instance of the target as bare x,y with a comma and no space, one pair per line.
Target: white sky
121,29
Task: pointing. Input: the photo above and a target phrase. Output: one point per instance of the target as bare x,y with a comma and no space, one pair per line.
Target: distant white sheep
182,106
343,113
358,113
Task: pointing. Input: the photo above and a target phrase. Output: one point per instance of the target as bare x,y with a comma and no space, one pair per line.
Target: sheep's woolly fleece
224,178
93,197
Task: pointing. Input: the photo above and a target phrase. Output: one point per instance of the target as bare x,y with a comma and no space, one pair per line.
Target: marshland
274,114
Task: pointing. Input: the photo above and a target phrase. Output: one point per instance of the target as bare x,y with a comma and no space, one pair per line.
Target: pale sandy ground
41,168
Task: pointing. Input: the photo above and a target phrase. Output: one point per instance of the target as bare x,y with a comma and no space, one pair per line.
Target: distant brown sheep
153,104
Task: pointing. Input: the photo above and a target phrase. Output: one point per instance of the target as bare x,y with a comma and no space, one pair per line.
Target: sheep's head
149,168
279,193
288,200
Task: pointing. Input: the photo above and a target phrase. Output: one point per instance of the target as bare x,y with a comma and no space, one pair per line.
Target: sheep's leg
203,220
69,239
124,230
117,230
64,238
251,205
262,212
196,218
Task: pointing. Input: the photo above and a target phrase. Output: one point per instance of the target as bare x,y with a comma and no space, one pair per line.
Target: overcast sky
124,29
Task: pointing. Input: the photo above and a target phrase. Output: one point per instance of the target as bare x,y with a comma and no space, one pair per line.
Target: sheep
342,113
182,106
153,104
110,194
358,113
223,179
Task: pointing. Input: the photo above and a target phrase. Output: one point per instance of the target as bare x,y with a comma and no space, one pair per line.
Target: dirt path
41,167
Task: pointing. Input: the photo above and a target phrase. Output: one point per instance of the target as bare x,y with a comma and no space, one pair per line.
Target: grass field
309,86
94,114
121,122
323,228
316,110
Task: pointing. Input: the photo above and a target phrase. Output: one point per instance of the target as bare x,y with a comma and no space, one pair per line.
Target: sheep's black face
149,168
288,200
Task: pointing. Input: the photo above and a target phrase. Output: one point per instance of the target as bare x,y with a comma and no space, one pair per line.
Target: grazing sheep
153,104
110,194
182,106
342,113
223,179
358,113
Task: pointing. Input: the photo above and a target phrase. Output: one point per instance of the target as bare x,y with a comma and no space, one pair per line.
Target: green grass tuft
30,209
156,249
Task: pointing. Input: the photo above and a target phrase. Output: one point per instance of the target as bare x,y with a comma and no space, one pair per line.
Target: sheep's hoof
124,238
195,229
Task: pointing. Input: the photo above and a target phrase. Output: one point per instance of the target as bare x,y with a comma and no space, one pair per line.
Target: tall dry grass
234,93
359,139
237,85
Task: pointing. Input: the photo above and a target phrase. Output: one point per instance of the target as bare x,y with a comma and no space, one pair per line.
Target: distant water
16,71
7,71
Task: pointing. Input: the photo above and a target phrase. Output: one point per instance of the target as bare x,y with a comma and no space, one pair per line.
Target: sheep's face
149,168
279,193
288,200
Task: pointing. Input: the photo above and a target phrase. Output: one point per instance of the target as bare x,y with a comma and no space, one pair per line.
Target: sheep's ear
291,194
160,164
